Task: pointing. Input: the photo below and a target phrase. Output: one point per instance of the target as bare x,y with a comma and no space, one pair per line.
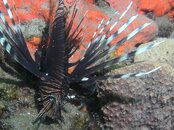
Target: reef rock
139,103
160,54
165,26
142,103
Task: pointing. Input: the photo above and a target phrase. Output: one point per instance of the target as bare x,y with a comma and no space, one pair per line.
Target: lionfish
51,62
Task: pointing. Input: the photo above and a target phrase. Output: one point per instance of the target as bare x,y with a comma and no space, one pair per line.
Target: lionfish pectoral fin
97,57
99,48
40,117
107,64
127,75
13,42
88,83
75,39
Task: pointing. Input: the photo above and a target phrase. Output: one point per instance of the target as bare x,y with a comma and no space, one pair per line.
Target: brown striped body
51,97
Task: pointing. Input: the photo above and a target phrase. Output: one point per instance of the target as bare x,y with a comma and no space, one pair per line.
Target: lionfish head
51,107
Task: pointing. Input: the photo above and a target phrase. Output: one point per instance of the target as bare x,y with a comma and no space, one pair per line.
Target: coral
33,32
171,12
157,7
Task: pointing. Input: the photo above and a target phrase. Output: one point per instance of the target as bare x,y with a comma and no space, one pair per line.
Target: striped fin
13,42
114,35
96,53
102,38
106,64
105,53
98,44
100,51
74,42
10,15
73,39
16,55
88,82
96,57
128,75
98,27
17,32
115,23
69,27
75,30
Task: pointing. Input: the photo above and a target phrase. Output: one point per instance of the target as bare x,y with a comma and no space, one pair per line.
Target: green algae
8,92
2,108
81,122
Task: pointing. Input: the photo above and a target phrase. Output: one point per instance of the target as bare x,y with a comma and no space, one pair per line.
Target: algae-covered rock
8,92
80,122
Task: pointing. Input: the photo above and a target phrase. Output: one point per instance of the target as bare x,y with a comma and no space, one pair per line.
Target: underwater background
135,103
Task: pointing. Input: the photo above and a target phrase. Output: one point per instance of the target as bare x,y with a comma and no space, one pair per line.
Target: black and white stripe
97,55
15,44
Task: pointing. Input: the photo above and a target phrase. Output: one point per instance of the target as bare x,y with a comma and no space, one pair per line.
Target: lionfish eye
51,97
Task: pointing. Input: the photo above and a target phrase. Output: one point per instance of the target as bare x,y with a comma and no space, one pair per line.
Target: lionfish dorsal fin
56,55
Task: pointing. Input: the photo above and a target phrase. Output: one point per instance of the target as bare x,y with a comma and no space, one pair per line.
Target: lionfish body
52,69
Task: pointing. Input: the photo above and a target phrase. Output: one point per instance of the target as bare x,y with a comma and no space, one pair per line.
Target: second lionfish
51,62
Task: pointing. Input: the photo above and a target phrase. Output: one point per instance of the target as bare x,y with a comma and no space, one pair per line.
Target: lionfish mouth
51,109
